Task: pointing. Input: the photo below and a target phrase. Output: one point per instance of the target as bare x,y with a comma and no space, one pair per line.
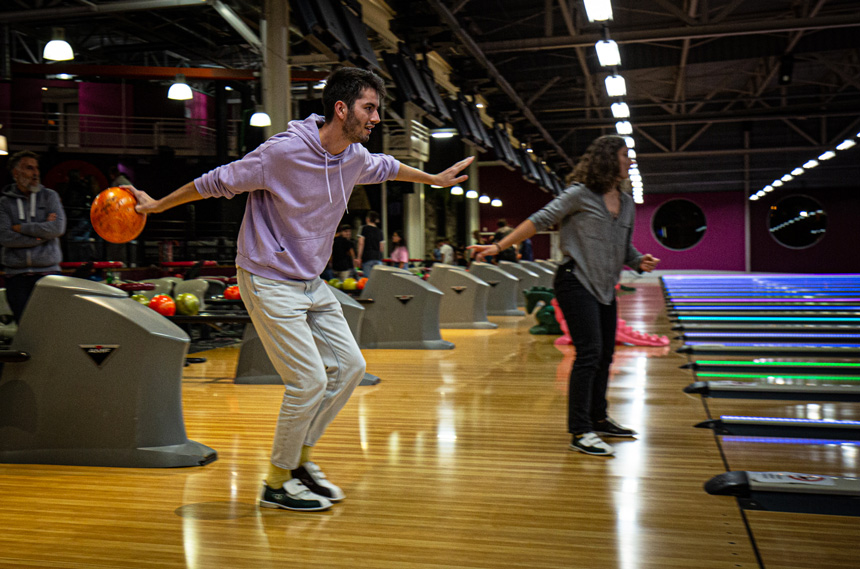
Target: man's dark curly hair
347,84
597,169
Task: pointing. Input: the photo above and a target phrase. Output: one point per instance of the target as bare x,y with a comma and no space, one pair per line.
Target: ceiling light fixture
598,10
58,49
471,194
260,118
484,199
620,110
179,91
607,53
615,86
456,190
624,127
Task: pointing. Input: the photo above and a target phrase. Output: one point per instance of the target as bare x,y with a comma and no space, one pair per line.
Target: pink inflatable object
624,334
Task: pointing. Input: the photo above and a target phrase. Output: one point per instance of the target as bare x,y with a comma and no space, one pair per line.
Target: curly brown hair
598,167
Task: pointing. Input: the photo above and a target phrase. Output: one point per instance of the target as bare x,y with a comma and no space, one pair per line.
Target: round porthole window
797,222
679,224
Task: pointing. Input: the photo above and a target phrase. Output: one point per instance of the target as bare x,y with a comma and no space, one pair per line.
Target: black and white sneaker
610,428
314,478
293,495
590,443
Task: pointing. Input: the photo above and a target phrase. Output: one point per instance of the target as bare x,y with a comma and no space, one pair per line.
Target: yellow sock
277,476
306,454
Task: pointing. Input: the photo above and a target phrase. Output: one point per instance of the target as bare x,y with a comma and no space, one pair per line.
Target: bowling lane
789,540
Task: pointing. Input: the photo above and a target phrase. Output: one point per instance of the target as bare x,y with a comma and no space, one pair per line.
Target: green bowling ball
335,283
141,299
350,284
187,304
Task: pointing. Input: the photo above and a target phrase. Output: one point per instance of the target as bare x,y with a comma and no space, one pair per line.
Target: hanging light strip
846,144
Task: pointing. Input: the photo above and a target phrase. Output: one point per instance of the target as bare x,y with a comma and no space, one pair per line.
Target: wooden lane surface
458,458
797,540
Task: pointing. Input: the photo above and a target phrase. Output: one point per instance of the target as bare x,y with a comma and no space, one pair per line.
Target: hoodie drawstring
33,205
342,189
21,213
328,184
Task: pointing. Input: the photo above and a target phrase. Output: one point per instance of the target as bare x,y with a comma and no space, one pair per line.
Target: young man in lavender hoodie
299,182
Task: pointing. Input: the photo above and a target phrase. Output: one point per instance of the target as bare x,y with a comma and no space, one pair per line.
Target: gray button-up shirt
598,243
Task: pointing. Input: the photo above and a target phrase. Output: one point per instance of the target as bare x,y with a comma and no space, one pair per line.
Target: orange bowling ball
113,217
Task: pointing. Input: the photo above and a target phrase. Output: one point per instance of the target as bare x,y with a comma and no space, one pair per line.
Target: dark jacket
36,249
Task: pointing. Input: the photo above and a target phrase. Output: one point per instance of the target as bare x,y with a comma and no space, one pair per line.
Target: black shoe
312,477
293,495
590,443
610,428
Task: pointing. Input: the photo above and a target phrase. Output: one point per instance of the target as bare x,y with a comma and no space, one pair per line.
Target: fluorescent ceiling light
598,10
797,171
607,53
456,190
630,142
811,164
624,127
787,178
484,199
471,194
846,144
777,183
620,110
827,155
615,86
496,203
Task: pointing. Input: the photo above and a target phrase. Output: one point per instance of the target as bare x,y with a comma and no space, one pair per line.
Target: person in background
343,253
370,244
446,252
32,220
118,178
596,227
510,253
526,251
400,255
298,184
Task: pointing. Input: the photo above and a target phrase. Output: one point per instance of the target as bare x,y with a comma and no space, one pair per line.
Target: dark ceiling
703,76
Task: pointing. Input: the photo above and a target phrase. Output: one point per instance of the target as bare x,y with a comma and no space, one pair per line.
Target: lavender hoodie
298,194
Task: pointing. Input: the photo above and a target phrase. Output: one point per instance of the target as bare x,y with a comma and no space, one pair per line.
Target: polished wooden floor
458,459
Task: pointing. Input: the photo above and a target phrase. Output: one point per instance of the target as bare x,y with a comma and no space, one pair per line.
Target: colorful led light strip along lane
835,422
789,441
772,318
810,345
770,335
770,301
777,377
792,364
771,308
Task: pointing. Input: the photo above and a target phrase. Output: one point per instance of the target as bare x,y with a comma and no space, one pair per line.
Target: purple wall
519,200
836,252
721,248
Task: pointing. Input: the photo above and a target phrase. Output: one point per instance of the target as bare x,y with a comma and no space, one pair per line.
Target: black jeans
18,291
592,328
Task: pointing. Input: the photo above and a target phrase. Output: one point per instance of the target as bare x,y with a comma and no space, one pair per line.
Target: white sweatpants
306,336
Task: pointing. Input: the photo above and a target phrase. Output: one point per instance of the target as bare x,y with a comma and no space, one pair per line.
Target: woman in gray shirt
596,221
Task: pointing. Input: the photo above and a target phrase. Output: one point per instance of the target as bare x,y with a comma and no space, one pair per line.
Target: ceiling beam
476,52
763,25
54,14
142,72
